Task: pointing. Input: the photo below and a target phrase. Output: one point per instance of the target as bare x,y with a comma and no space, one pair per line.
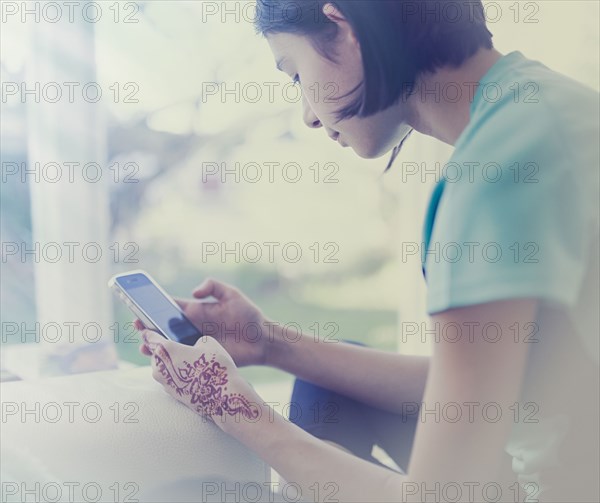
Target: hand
234,321
203,377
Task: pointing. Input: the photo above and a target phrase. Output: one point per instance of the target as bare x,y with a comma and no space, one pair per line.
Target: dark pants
353,425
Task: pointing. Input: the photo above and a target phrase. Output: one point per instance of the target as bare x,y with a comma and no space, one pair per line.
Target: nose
309,117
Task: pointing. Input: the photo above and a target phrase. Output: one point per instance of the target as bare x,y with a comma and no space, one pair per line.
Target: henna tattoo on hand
205,383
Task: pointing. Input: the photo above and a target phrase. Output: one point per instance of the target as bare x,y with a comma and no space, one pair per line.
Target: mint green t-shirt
516,215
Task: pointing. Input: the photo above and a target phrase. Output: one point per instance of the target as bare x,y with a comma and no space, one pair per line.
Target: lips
336,137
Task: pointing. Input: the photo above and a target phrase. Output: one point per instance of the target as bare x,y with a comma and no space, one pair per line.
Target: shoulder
519,198
530,111
539,144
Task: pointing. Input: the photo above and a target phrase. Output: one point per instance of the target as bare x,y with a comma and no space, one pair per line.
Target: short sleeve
514,218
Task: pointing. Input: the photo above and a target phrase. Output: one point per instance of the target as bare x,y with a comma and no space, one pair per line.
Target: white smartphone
153,306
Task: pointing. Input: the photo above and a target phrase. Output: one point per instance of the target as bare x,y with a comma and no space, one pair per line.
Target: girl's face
325,85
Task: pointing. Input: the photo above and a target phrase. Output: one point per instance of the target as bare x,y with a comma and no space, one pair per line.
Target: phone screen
165,316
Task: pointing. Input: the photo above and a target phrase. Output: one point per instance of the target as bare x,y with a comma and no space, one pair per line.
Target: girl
518,378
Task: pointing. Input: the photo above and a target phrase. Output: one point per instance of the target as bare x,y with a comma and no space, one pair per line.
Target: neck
441,103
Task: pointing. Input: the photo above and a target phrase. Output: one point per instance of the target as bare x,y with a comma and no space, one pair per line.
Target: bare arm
463,452
470,374
382,379
378,378
320,471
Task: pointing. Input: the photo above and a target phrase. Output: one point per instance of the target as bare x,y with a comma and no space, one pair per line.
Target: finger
160,358
211,287
139,325
145,350
152,340
196,311
156,375
184,304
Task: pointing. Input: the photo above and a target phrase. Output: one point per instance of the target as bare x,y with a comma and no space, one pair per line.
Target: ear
331,12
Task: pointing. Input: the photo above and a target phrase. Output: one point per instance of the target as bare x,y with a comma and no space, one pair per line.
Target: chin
369,151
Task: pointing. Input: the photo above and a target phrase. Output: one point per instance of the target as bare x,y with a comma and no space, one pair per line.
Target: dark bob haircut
399,40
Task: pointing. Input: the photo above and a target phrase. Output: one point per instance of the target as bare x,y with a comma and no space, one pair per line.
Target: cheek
321,95
328,90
